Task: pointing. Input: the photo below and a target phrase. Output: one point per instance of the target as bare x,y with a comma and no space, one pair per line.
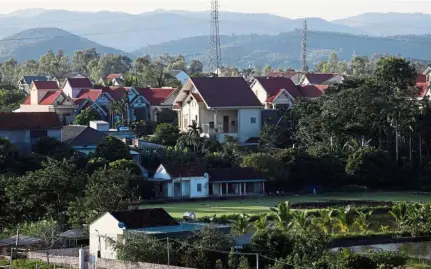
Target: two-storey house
221,106
25,82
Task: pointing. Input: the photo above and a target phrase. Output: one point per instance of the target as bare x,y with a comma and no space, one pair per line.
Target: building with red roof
46,96
221,106
275,92
75,85
112,80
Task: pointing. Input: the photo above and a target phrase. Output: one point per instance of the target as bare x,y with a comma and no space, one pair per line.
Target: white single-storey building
194,181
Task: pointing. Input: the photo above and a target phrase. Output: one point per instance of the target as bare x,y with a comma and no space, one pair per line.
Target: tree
141,248
10,71
360,66
219,264
113,149
168,116
243,263
10,100
267,69
273,243
46,193
9,156
193,136
54,65
108,190
266,164
46,231
143,128
123,165
399,73
166,134
51,147
283,214
81,59
196,67
332,65
241,224
85,116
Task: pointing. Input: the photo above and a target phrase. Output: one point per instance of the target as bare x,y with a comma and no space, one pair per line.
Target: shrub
389,259
30,264
357,261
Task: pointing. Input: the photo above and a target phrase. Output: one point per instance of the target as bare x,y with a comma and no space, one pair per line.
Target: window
199,186
211,125
38,133
196,118
253,120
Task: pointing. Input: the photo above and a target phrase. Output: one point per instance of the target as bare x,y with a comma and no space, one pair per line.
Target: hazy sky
329,9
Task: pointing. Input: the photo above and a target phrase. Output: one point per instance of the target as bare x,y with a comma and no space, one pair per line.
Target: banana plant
241,224
362,221
342,220
301,219
261,223
400,213
324,220
283,214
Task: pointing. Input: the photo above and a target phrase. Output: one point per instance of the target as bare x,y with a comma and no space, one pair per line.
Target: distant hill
283,50
390,23
31,44
129,32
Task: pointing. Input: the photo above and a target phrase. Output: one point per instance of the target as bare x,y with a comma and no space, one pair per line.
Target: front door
177,189
226,124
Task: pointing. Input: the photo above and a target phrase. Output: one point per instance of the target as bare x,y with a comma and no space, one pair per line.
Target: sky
329,9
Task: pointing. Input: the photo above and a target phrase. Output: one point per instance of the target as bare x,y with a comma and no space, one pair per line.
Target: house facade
24,129
45,96
275,92
221,106
194,181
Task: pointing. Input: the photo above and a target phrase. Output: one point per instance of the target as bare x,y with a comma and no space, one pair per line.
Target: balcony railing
219,128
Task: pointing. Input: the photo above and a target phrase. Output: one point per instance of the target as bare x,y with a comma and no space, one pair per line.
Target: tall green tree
113,149
85,116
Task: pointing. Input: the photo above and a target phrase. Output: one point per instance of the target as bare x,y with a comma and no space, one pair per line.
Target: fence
108,264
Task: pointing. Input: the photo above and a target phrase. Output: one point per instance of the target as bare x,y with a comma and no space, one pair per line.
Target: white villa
221,106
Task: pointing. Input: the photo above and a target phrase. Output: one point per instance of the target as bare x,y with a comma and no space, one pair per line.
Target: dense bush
389,259
358,261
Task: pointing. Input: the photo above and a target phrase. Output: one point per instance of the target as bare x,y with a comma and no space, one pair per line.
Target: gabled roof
144,218
312,91
225,92
50,97
45,85
232,174
29,79
156,96
91,94
287,74
319,78
77,135
79,101
84,83
29,121
117,93
113,76
273,85
421,78
27,100
423,88
184,170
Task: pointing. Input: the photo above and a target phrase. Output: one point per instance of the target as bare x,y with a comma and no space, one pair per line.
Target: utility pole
257,261
167,248
304,67
214,53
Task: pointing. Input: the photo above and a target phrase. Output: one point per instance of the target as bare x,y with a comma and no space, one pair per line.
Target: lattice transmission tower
215,50
304,67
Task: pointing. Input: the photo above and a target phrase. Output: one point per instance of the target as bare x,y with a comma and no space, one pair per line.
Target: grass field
262,205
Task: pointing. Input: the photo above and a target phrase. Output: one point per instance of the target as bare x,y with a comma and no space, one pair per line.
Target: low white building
221,106
187,181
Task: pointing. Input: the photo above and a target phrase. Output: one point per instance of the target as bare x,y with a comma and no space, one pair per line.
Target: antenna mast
215,51
304,67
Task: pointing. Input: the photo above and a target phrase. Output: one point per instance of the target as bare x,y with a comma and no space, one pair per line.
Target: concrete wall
194,185
103,228
109,264
260,92
246,128
36,108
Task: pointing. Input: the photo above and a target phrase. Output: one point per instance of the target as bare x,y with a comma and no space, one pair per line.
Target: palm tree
241,224
194,134
301,219
324,220
283,214
400,212
261,223
362,221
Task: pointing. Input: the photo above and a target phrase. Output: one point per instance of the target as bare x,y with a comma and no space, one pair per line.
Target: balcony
220,131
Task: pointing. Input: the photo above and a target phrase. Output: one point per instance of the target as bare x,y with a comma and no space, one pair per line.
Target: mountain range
247,39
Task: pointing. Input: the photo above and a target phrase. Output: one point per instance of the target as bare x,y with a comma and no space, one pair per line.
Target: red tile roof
233,174
50,97
27,100
421,78
45,85
91,94
312,91
156,96
273,85
29,121
272,98
79,101
83,83
319,78
226,92
112,76
117,93
423,88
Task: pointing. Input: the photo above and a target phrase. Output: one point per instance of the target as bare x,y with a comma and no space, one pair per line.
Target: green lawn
261,205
